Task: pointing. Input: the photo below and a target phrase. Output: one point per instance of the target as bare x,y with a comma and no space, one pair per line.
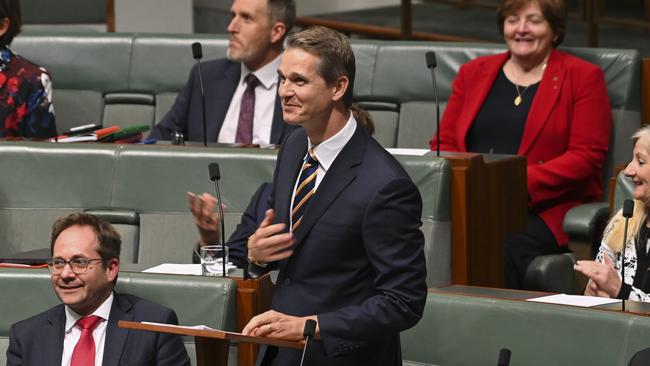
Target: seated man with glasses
83,330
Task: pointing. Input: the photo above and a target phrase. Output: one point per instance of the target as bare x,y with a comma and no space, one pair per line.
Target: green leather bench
196,300
142,190
462,330
127,79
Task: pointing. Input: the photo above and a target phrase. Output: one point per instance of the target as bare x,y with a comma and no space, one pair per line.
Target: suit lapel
292,157
545,98
218,100
476,94
115,336
52,334
341,173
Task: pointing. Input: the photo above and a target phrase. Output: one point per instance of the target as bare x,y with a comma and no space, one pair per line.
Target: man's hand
604,280
272,324
269,243
206,217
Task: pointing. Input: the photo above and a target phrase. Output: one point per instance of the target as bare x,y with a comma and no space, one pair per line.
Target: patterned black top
26,108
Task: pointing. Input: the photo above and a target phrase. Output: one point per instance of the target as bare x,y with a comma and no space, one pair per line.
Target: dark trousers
523,247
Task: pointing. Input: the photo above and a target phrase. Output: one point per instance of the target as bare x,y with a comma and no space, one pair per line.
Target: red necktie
247,111
84,351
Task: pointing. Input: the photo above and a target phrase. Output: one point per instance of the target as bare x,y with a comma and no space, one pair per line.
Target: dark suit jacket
565,138
250,221
220,78
38,341
358,261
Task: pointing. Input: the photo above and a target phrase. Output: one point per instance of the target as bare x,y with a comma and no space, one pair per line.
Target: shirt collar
327,150
103,311
267,74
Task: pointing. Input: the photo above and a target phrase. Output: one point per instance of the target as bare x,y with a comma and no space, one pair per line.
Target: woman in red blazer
535,101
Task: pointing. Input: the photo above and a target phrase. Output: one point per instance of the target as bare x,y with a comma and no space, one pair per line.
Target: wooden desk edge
207,333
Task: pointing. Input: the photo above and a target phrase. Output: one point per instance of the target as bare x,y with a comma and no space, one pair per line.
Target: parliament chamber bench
468,326
133,78
196,300
142,190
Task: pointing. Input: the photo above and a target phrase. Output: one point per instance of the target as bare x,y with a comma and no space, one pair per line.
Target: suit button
540,162
287,281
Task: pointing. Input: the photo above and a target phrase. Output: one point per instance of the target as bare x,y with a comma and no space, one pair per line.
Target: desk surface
631,307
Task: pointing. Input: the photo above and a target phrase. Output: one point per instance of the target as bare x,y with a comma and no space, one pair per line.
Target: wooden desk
631,307
489,201
211,344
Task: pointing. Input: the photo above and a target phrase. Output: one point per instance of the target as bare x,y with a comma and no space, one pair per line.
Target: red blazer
566,136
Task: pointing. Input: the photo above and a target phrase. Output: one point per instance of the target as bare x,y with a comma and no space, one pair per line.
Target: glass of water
212,257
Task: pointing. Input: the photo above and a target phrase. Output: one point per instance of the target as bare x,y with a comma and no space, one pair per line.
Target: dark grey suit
358,261
38,341
220,78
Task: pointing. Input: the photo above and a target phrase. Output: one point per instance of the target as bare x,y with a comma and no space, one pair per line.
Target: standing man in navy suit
239,108
344,228
83,330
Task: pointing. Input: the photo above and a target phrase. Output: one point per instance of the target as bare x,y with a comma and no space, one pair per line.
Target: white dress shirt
326,152
73,333
265,95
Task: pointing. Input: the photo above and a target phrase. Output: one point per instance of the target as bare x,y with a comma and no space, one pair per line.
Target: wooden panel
489,201
253,297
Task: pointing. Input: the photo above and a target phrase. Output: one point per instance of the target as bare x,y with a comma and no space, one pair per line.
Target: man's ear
112,267
278,30
341,86
4,26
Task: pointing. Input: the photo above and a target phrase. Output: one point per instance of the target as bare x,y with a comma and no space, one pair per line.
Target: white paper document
405,151
574,300
186,269
197,327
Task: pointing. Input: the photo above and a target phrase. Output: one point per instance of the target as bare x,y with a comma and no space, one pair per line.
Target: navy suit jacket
358,260
38,341
220,78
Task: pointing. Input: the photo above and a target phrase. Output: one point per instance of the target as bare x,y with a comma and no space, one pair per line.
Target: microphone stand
198,54
431,64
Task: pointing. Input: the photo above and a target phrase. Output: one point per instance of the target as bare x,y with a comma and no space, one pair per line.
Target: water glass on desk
212,257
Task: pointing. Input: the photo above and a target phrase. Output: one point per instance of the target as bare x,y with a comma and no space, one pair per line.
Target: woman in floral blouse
26,108
605,272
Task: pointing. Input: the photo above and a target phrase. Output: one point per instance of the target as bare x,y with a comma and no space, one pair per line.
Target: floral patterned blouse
633,288
26,108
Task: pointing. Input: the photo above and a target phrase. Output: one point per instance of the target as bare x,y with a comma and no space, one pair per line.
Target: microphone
431,64
215,175
504,357
308,332
628,210
197,54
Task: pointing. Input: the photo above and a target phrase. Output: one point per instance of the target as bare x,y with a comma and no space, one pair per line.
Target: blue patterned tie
305,189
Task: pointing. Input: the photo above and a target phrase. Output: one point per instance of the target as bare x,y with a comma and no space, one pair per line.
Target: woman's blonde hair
614,238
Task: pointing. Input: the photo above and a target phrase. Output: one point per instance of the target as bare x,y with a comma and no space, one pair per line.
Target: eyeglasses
77,265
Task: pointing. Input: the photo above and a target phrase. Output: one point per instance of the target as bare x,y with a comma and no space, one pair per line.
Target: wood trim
379,31
110,15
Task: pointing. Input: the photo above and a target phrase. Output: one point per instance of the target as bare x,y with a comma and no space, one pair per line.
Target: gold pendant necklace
518,99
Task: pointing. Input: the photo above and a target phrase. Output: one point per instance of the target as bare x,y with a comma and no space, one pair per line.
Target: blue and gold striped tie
305,189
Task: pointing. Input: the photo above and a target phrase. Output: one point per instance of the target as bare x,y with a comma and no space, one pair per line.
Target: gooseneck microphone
197,54
215,175
504,357
628,210
431,64
308,333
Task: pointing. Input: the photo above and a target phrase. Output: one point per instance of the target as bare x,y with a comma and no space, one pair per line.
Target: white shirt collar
267,74
329,149
103,311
